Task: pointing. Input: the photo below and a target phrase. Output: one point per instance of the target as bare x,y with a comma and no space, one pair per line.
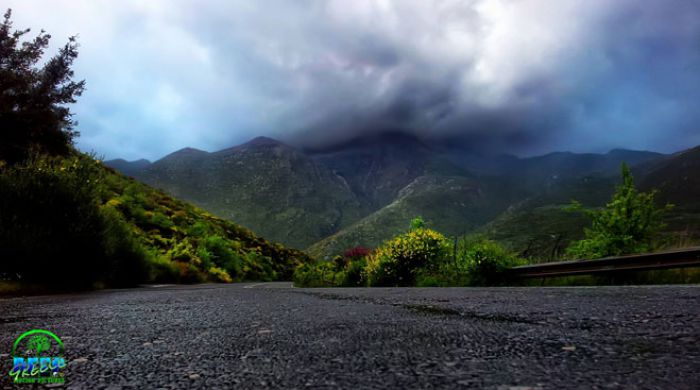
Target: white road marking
253,285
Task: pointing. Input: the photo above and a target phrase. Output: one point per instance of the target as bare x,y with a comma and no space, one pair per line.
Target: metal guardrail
681,258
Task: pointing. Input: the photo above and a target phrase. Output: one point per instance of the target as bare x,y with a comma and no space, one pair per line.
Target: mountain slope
70,222
535,172
376,168
453,205
364,191
176,230
677,178
265,185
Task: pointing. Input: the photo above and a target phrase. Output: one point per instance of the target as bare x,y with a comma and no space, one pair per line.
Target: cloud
506,76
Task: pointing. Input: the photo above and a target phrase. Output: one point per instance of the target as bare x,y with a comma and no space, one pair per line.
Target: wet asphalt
269,335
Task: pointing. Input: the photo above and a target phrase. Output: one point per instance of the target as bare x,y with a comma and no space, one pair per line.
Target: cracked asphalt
272,336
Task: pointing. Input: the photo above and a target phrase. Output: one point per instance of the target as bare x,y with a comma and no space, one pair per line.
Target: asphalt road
273,336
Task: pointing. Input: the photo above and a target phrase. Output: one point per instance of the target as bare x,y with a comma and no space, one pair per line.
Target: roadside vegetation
419,257
68,222
629,223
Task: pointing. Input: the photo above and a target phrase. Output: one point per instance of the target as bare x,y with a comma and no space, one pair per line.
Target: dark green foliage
70,223
475,262
198,245
54,231
343,271
629,223
417,223
355,275
222,255
322,274
486,262
33,113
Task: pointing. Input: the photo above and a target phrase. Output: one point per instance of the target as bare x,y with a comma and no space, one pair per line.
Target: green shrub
163,270
222,254
398,261
161,221
355,274
629,223
128,261
53,230
183,251
486,263
322,274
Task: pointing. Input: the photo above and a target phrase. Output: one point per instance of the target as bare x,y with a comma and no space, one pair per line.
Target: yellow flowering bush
398,261
220,275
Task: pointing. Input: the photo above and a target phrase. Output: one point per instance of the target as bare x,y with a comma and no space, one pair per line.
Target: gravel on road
272,336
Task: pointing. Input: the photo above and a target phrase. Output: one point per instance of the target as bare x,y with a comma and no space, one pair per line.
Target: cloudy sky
519,76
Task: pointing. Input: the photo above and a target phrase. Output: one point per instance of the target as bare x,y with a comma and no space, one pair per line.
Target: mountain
538,171
129,168
677,178
363,191
453,205
266,185
539,226
378,167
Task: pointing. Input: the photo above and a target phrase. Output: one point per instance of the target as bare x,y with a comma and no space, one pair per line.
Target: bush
53,230
355,274
322,274
222,254
398,261
220,275
629,223
164,271
486,263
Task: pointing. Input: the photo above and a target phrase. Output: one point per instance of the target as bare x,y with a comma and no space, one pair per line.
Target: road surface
272,336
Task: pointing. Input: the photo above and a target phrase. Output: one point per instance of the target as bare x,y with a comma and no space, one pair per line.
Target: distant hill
129,168
378,167
363,191
454,205
677,178
266,185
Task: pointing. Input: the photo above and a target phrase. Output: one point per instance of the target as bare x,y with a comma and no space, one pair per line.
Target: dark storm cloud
505,76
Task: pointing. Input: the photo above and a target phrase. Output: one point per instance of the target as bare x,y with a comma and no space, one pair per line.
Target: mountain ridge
318,198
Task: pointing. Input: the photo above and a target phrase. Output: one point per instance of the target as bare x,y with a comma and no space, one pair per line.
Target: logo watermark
38,357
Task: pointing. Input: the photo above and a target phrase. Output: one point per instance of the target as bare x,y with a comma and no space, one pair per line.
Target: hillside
69,222
453,205
265,185
175,230
539,227
677,178
377,167
363,191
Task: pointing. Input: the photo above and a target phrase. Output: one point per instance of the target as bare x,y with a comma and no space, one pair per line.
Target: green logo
37,357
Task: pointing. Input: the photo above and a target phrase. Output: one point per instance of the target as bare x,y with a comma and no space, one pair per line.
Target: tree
34,117
629,223
39,344
417,223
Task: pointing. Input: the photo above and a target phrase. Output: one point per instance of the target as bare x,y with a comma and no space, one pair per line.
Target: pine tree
34,117
629,223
